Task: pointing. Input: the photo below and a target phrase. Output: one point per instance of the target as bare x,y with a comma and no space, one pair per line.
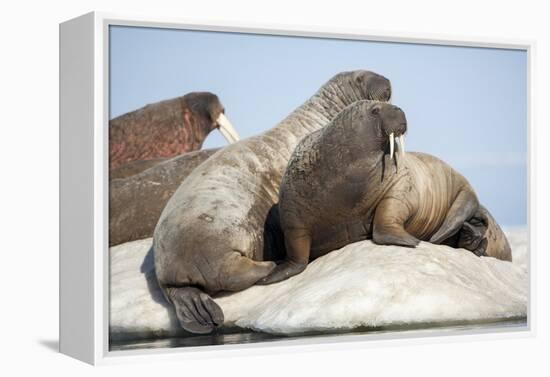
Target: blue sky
467,106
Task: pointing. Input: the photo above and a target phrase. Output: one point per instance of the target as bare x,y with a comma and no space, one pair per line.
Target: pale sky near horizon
467,106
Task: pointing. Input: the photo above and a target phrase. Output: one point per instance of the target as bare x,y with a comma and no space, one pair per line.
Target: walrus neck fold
320,109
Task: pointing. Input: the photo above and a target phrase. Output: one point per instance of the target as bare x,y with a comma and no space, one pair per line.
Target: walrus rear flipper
196,311
462,209
240,272
298,245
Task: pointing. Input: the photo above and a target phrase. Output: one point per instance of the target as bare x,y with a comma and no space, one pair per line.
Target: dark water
237,336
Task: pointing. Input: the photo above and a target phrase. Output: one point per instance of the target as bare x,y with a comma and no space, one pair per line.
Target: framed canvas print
229,189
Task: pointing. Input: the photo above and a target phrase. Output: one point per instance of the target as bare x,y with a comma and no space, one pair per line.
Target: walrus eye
375,110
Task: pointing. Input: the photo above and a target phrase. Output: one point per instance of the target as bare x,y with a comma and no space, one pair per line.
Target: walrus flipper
463,208
282,272
298,245
389,224
196,311
241,272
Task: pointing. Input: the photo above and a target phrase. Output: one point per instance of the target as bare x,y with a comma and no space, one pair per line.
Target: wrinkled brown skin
210,236
164,129
136,202
341,186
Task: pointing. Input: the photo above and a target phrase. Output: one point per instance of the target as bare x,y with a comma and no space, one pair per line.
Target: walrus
344,184
167,129
136,201
209,237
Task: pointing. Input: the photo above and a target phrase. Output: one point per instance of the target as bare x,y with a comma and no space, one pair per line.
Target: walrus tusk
401,143
227,129
392,141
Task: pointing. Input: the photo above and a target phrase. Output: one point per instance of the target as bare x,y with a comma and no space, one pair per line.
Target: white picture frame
84,99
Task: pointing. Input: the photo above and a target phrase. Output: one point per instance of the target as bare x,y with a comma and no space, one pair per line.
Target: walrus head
362,84
482,235
370,127
472,235
379,86
205,112
391,123
166,129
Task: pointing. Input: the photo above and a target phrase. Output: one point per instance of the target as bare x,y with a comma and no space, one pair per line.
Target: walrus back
136,202
434,184
228,197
